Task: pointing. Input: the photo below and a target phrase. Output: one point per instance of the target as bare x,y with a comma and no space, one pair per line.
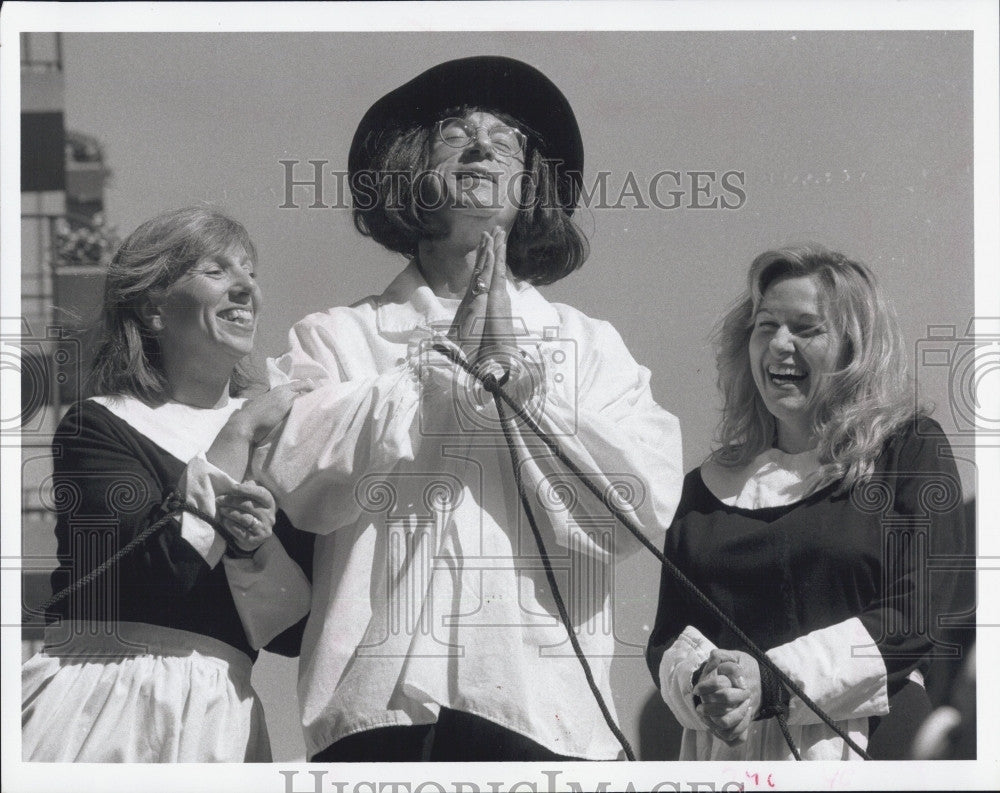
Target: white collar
408,302
772,479
182,430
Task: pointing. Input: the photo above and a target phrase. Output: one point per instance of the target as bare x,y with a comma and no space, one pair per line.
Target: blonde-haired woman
805,526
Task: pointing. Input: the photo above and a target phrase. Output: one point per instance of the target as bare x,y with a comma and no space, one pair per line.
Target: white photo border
980,17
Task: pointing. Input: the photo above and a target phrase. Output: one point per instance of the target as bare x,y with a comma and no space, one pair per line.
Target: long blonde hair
858,406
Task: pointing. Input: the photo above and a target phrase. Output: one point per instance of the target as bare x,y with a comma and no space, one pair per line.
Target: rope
782,720
683,580
490,384
176,507
774,702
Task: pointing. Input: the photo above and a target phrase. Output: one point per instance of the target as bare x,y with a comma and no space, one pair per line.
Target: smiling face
210,313
481,178
792,346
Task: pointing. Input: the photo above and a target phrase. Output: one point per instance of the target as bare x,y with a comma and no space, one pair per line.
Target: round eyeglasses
460,132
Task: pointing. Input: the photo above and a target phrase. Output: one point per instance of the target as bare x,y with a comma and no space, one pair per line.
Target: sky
859,140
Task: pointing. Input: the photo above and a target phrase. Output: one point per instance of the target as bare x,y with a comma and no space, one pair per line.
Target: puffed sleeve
356,420
849,668
271,593
299,545
605,419
103,485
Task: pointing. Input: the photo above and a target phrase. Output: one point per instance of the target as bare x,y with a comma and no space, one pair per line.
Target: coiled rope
500,396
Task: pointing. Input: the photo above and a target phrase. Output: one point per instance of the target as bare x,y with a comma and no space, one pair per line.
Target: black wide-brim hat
489,82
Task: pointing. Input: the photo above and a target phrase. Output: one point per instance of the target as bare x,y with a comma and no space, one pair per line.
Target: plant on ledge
90,242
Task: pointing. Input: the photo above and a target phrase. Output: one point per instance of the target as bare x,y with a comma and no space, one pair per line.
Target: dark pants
891,737
456,737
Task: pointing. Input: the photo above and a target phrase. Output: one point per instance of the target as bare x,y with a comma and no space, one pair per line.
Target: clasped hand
248,512
487,311
730,693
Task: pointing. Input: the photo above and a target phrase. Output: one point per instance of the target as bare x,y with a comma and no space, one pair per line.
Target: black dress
823,567
150,661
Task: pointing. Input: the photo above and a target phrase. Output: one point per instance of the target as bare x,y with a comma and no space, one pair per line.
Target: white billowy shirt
428,588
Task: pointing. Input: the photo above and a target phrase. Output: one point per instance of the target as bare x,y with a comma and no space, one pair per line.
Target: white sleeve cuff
689,651
839,668
199,485
270,591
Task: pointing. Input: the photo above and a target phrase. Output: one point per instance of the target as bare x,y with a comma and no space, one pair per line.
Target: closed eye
807,331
